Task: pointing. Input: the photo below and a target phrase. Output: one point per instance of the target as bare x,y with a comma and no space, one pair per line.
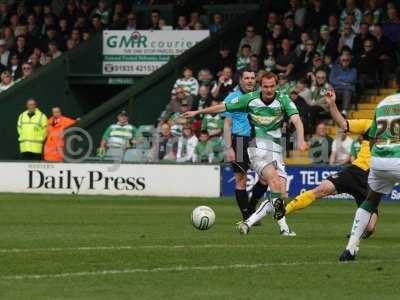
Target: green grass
76,234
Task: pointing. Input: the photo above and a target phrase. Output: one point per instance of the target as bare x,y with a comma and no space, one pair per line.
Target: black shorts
240,145
351,180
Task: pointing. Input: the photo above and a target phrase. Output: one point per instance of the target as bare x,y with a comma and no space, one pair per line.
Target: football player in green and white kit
266,109
385,167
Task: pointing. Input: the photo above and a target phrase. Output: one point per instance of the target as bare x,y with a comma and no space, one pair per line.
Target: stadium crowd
311,45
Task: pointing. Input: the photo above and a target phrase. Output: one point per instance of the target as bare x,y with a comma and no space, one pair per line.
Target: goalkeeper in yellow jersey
353,179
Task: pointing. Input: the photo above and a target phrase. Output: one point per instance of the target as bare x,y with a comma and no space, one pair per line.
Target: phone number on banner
131,68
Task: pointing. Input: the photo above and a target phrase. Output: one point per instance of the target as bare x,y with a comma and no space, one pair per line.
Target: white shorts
383,181
260,158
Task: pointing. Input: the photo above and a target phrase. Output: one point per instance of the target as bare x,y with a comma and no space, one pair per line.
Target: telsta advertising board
111,179
142,52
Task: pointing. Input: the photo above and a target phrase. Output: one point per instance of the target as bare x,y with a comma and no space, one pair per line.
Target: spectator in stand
21,49
367,63
102,11
71,44
284,85
270,56
304,37
186,145
203,99
53,50
205,77
118,136
165,145
276,34
333,26
317,15
304,62
243,59
97,26
187,82
224,86
194,19
176,122
203,152
252,39
358,44
372,9
327,45
351,10
182,23
8,37
391,28
286,60
385,53
347,37
272,20
254,65
14,67
32,131
320,145
297,12
131,22
154,20
213,123
216,24
6,81
316,65
54,146
26,70
292,32
341,149
225,59
174,106
4,53
34,61
343,78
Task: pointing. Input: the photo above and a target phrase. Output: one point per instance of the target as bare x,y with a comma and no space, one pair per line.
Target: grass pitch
78,247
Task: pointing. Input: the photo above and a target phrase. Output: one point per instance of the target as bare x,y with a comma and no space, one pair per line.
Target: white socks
265,208
360,223
283,225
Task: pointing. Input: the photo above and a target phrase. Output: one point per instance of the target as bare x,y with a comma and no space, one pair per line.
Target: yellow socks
301,201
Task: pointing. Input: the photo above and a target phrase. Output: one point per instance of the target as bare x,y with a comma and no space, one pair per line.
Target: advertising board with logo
300,179
142,52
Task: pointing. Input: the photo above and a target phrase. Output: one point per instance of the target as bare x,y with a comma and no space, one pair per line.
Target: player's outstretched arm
330,99
298,124
209,110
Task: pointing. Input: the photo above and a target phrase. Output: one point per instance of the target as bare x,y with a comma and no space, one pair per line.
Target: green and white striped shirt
191,86
118,135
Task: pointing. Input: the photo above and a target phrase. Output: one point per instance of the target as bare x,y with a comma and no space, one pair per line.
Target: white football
203,217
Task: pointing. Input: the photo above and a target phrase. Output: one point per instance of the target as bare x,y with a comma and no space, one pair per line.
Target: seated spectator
252,39
304,62
391,28
213,123
187,82
292,32
131,22
319,87
270,56
216,23
384,49
4,54
165,145
97,26
34,61
333,26
203,99
316,65
163,24
186,145
204,77
317,15
53,50
343,78
26,70
224,59
285,60
6,81
182,23
358,44
54,146
154,20
174,106
277,34
272,20
21,49
254,66
103,11
14,67
243,59
118,136
224,86
341,150
304,37
347,37
284,85
176,122
203,152
327,45
320,145
297,12
194,18
351,10
372,9
367,63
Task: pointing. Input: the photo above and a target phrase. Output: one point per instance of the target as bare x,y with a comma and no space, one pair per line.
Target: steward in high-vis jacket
32,131
54,146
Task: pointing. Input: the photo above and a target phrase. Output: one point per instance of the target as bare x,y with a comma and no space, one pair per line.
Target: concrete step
385,92
366,106
362,114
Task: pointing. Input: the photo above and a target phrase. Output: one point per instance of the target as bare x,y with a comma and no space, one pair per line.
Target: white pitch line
187,268
206,246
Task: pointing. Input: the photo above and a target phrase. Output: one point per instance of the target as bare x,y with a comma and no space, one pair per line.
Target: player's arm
209,110
298,124
337,117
